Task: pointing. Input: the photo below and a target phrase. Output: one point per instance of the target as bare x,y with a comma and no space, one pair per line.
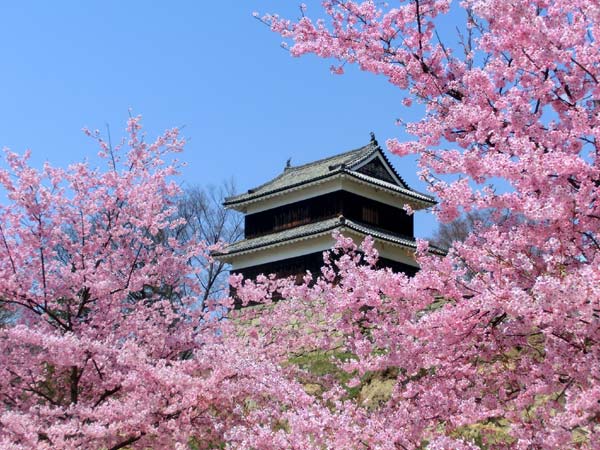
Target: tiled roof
315,229
279,237
406,191
337,165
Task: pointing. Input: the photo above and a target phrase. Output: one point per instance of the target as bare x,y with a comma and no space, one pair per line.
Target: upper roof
346,164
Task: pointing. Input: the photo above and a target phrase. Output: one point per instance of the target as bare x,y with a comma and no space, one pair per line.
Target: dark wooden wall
294,214
313,262
379,214
284,268
333,204
299,265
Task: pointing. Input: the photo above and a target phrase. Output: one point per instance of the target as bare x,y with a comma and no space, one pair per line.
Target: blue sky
245,104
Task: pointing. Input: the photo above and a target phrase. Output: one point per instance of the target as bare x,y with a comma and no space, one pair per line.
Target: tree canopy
495,345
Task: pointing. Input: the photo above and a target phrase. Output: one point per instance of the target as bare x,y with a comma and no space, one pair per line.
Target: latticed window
370,215
291,217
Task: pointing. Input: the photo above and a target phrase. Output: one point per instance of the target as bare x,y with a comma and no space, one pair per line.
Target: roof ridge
256,188
338,155
316,171
370,147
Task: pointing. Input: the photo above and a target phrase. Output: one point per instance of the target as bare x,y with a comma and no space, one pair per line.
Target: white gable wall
378,156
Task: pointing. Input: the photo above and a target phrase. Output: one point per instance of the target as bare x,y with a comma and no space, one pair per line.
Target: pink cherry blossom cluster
104,349
506,327
495,345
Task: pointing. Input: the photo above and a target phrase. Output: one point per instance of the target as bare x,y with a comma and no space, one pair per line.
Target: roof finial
288,163
373,140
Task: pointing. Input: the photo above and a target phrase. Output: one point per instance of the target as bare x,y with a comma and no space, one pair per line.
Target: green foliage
321,365
489,434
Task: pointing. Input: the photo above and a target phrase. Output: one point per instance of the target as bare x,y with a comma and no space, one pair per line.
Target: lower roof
312,230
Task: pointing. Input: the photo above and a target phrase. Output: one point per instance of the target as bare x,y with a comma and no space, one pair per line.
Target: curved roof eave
410,195
313,231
